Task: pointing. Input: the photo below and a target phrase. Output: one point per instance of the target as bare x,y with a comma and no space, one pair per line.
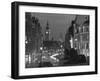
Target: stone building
81,34
33,40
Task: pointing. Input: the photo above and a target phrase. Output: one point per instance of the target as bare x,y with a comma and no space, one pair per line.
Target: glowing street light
61,46
26,42
41,48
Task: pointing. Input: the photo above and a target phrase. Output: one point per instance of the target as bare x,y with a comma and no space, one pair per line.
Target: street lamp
41,48
61,46
26,42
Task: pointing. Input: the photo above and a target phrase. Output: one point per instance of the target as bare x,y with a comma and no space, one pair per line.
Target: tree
71,29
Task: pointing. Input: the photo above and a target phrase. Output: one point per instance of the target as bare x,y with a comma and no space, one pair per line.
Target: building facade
33,40
81,35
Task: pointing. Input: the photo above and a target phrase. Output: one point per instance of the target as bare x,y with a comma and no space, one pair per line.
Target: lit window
75,39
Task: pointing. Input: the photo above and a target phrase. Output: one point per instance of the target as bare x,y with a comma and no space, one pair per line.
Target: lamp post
41,48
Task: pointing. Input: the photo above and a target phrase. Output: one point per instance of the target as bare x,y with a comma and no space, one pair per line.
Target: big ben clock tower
47,33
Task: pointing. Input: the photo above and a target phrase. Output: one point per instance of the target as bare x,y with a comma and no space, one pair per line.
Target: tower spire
47,27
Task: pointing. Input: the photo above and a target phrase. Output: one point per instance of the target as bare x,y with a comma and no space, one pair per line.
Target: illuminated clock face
47,32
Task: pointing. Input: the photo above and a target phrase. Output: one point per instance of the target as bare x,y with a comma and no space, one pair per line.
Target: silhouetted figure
74,58
82,59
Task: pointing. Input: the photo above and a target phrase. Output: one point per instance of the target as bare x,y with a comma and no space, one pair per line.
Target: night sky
58,23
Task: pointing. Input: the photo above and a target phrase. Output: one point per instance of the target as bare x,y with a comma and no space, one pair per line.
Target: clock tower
47,33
